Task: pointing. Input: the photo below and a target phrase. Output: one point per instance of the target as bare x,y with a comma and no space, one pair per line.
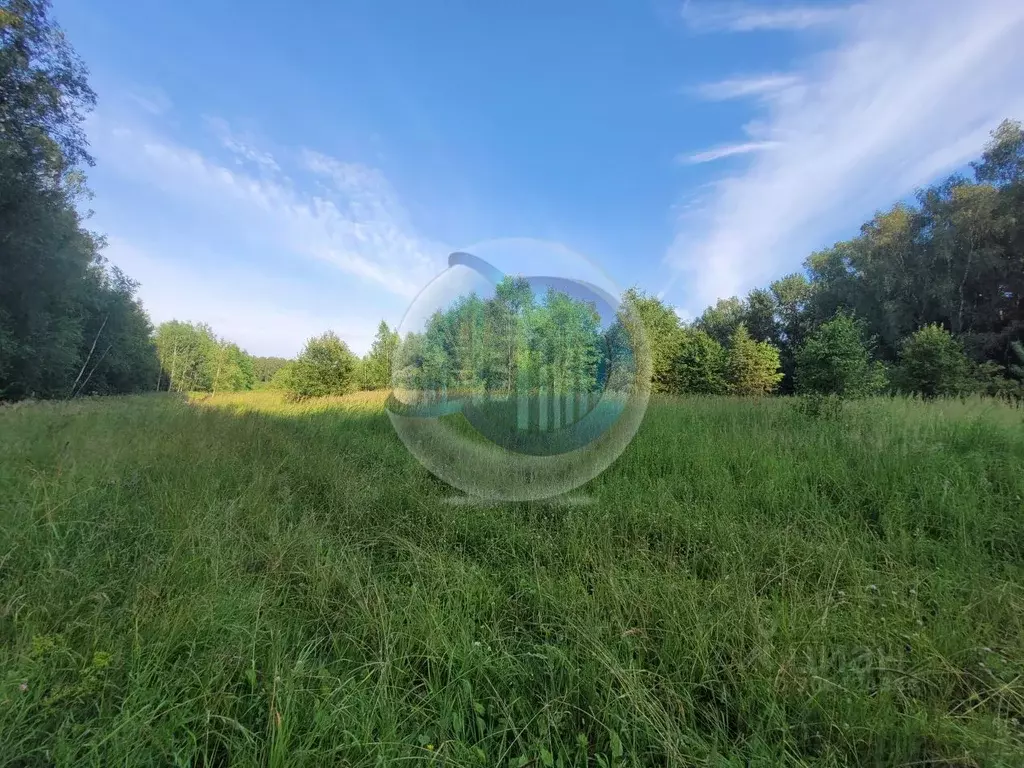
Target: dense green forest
511,342
928,298
69,322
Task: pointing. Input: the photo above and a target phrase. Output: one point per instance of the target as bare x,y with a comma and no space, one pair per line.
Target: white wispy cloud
746,87
269,207
241,147
370,194
707,16
359,229
906,92
728,150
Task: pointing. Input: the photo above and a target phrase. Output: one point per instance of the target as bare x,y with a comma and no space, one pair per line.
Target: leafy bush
325,367
836,360
281,380
752,366
1017,370
698,366
990,379
933,364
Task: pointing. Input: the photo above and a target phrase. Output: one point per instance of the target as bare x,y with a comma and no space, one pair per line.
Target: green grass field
240,581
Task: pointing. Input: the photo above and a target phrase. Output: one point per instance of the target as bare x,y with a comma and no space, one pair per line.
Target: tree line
192,358
927,299
69,322
509,343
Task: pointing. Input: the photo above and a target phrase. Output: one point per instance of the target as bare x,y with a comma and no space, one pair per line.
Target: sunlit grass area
271,401
242,580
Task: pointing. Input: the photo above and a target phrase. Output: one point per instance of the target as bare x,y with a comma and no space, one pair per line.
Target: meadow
235,580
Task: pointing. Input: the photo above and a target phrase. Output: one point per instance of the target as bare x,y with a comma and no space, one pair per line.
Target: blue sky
277,169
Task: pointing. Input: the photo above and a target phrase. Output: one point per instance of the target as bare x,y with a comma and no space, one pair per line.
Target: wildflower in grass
23,687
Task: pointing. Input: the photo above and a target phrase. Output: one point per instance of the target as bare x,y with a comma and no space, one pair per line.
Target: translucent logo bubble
519,374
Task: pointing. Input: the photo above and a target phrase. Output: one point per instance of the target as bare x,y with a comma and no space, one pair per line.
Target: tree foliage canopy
511,342
325,367
836,360
953,260
193,359
932,363
376,367
752,367
68,323
699,365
